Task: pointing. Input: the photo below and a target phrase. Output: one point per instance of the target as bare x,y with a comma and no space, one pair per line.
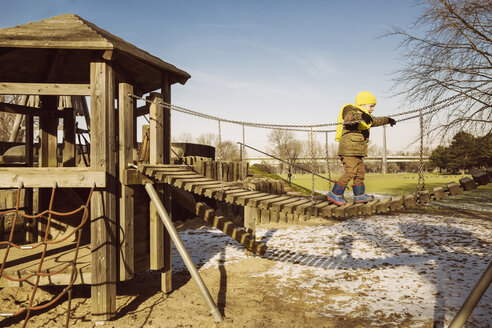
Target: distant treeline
465,152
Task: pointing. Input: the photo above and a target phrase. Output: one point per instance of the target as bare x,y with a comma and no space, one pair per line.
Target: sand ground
410,269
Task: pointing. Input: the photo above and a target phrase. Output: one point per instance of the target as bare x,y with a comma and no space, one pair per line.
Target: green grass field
385,184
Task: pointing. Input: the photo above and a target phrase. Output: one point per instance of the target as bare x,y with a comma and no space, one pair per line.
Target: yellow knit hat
364,98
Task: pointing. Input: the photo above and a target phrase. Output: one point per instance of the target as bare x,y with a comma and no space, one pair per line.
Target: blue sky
262,61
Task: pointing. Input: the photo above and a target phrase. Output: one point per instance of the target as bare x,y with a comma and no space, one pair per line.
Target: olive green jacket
353,141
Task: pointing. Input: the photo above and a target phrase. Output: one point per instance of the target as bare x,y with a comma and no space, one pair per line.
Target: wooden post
69,139
48,142
156,157
166,95
48,130
384,164
250,220
103,203
126,129
28,200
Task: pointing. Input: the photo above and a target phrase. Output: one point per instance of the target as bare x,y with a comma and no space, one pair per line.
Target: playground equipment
66,56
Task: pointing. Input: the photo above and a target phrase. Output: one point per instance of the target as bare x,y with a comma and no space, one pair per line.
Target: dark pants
354,169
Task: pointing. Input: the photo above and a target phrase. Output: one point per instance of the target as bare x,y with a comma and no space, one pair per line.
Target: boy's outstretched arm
378,121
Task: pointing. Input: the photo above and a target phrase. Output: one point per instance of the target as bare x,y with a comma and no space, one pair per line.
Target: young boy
353,138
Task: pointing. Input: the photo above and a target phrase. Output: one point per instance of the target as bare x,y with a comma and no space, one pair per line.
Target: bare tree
449,63
7,120
285,146
183,137
317,150
210,139
230,151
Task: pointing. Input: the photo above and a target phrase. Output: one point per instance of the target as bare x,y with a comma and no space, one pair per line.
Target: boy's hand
367,118
391,121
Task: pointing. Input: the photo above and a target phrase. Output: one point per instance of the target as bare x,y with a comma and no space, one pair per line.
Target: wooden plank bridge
275,208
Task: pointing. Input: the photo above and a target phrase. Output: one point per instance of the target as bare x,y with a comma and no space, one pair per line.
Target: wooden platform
23,262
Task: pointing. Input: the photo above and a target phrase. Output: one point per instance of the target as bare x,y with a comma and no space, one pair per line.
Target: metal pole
183,252
384,165
473,299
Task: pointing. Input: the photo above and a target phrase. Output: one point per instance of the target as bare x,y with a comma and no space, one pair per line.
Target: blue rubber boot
360,195
336,194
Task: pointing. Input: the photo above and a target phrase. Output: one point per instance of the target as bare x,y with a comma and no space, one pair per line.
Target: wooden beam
19,109
166,278
47,152
108,55
80,105
33,111
48,133
68,138
156,157
29,195
142,110
49,89
7,54
126,229
103,205
47,177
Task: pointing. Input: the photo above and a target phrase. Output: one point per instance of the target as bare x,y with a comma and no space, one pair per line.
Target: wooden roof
79,39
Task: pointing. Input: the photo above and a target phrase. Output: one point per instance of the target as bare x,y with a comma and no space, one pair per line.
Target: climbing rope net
49,215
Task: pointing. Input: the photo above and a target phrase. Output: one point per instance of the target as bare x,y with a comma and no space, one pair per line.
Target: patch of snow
383,268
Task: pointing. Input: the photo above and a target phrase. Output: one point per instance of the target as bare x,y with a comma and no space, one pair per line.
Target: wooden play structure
68,56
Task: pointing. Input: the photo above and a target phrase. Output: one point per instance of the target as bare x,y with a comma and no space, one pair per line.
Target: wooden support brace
200,187
274,216
340,211
243,200
228,227
233,198
424,197
256,201
291,207
104,258
468,184
264,216
454,188
266,204
181,183
318,208
354,209
439,193
397,203
278,206
283,217
329,211
304,208
51,89
126,194
383,205
410,201
481,177
369,208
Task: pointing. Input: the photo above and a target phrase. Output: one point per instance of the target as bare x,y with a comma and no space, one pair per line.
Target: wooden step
229,228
